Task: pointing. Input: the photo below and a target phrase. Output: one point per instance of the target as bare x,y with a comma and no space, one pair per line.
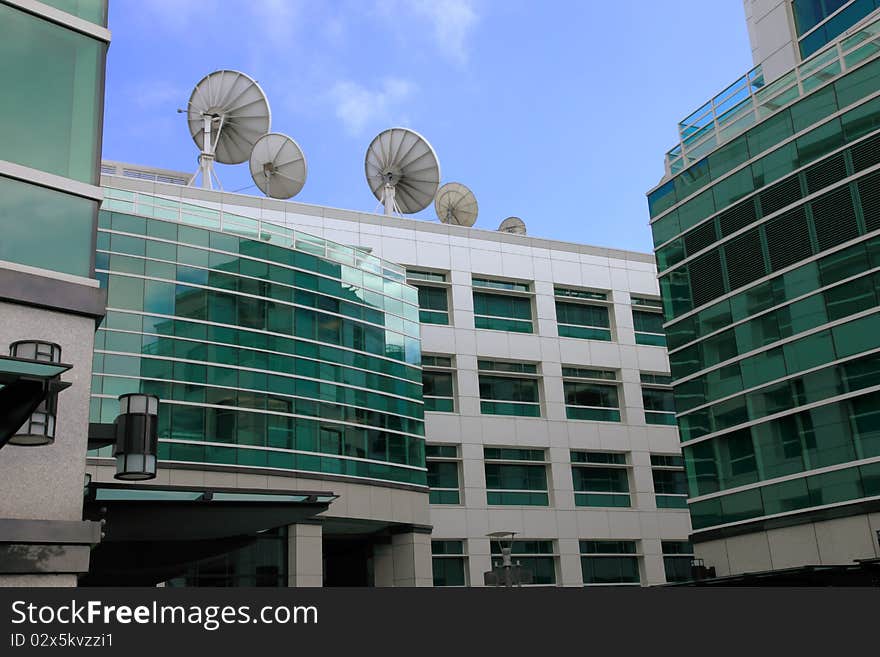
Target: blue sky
557,111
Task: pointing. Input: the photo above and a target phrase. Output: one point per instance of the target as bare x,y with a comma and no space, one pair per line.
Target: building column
406,561
305,555
383,564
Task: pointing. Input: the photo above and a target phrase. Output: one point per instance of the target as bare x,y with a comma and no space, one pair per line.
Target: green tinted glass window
610,570
45,228
52,121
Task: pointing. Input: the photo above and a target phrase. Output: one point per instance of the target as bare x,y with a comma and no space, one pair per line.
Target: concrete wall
772,36
827,542
47,482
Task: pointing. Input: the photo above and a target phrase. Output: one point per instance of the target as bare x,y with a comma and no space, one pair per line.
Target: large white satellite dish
513,225
278,165
456,204
227,113
402,170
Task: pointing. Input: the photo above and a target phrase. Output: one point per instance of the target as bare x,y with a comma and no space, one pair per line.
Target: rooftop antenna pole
206,157
388,198
227,113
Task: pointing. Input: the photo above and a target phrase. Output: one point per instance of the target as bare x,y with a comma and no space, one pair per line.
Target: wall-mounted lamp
136,437
39,429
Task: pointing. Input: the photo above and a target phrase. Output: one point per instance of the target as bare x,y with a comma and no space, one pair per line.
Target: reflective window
52,121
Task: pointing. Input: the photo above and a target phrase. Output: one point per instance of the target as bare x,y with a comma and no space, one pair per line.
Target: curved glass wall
264,355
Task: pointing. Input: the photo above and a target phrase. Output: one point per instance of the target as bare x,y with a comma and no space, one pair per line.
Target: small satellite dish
227,113
513,225
402,170
456,204
278,165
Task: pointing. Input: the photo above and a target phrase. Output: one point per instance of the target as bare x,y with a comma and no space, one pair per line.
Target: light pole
506,573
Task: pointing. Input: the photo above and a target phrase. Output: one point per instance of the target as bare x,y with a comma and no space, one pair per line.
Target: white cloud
357,107
452,22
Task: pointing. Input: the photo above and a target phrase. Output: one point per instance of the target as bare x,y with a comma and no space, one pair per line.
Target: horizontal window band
274,334
809,198
344,423
785,478
763,313
265,394
782,342
245,349
247,277
244,295
241,368
787,377
239,256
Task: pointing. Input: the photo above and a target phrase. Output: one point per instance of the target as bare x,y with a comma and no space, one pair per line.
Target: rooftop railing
750,99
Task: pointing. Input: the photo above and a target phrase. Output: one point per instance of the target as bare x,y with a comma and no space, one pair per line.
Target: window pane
51,122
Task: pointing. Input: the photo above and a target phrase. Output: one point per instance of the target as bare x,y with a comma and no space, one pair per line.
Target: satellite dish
456,204
227,113
402,170
278,165
513,225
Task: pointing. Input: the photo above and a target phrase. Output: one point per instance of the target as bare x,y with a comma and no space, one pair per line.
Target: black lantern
39,429
136,437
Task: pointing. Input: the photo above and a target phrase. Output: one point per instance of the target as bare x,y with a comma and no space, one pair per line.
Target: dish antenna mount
402,171
456,204
278,165
227,113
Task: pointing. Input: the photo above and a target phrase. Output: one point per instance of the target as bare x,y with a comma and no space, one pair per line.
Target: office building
767,233
52,57
429,384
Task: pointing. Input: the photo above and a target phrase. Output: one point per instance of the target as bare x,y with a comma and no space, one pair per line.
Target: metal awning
153,533
24,384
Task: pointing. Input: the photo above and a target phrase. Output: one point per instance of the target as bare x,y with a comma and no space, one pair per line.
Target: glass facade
46,228
443,467
260,563
53,120
302,356
609,562
433,295
670,483
509,388
648,321
677,557
50,120
438,386
818,22
582,314
769,256
535,556
449,563
658,399
94,11
600,479
589,395
516,476
510,309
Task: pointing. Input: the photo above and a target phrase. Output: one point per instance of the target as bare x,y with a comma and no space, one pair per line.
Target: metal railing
750,99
